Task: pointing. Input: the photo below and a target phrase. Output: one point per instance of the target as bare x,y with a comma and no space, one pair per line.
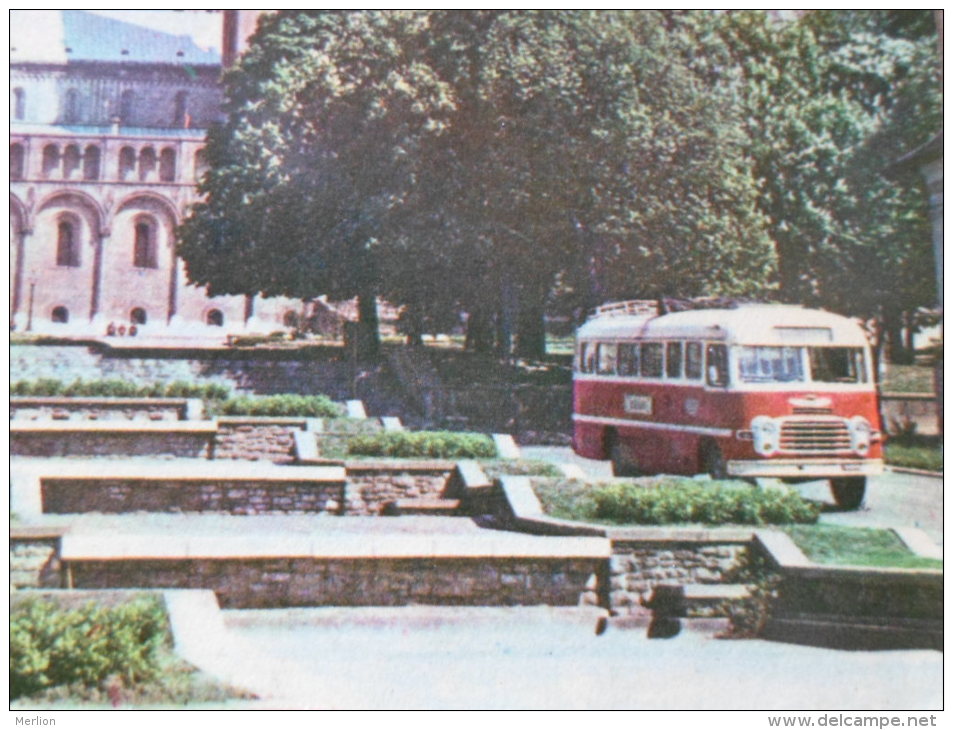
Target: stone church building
108,114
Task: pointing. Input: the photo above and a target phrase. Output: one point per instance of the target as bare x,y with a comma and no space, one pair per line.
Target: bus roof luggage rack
631,307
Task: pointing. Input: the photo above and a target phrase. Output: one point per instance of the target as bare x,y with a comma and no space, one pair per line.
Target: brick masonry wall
190,445
367,493
70,496
34,563
636,568
265,583
256,441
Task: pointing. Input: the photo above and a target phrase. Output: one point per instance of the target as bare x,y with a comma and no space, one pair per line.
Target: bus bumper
806,469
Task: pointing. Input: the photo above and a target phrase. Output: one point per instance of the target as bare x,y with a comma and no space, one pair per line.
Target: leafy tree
327,114
824,96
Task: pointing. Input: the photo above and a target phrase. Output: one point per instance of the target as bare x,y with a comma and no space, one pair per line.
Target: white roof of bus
754,324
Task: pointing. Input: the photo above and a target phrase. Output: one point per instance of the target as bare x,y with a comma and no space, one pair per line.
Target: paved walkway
544,658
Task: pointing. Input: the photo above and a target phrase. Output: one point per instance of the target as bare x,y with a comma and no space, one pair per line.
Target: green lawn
859,546
915,452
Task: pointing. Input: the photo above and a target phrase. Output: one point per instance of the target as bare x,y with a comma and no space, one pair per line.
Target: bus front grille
814,437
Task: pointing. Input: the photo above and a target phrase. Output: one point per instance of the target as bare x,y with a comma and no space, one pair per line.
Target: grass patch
672,500
495,468
859,546
915,452
907,379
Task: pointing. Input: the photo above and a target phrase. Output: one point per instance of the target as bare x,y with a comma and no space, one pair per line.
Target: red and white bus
754,391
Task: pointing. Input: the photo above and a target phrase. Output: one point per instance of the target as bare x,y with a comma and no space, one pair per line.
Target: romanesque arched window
60,315
19,104
200,163
71,107
167,165
138,316
215,318
51,160
147,164
144,244
17,161
290,319
71,162
127,163
91,162
67,242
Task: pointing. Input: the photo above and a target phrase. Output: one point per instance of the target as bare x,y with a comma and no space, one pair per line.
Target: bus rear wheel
848,492
621,466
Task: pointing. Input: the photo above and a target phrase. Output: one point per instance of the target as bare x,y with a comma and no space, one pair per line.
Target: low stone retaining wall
258,439
644,559
31,408
273,582
921,409
371,485
237,497
190,439
35,558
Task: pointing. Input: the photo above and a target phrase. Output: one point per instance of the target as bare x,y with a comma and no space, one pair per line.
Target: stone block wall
273,582
34,562
256,441
635,568
369,491
61,443
246,497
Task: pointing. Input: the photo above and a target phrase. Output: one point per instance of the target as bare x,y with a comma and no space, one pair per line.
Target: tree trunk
893,329
413,326
479,332
531,332
368,337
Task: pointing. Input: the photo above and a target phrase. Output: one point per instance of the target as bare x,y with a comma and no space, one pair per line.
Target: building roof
70,36
90,130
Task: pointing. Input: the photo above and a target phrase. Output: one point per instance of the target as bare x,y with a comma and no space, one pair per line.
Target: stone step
695,599
423,506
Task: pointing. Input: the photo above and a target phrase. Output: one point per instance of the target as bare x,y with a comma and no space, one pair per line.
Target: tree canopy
506,163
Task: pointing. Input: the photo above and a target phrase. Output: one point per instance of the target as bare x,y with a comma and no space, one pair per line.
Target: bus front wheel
848,492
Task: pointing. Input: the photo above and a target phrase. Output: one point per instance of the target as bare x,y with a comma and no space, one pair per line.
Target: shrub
311,406
51,646
116,388
672,500
423,444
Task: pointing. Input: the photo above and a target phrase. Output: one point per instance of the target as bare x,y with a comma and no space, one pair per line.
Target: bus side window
673,360
693,360
581,357
628,359
652,355
607,358
589,366
717,356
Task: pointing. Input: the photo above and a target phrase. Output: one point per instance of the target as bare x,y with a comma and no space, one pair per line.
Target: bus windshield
770,364
767,364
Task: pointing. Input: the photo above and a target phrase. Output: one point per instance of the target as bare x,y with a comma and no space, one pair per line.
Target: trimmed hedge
114,388
672,500
423,444
51,646
311,406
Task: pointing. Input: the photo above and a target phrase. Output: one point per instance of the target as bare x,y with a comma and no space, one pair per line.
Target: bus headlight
860,435
766,432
